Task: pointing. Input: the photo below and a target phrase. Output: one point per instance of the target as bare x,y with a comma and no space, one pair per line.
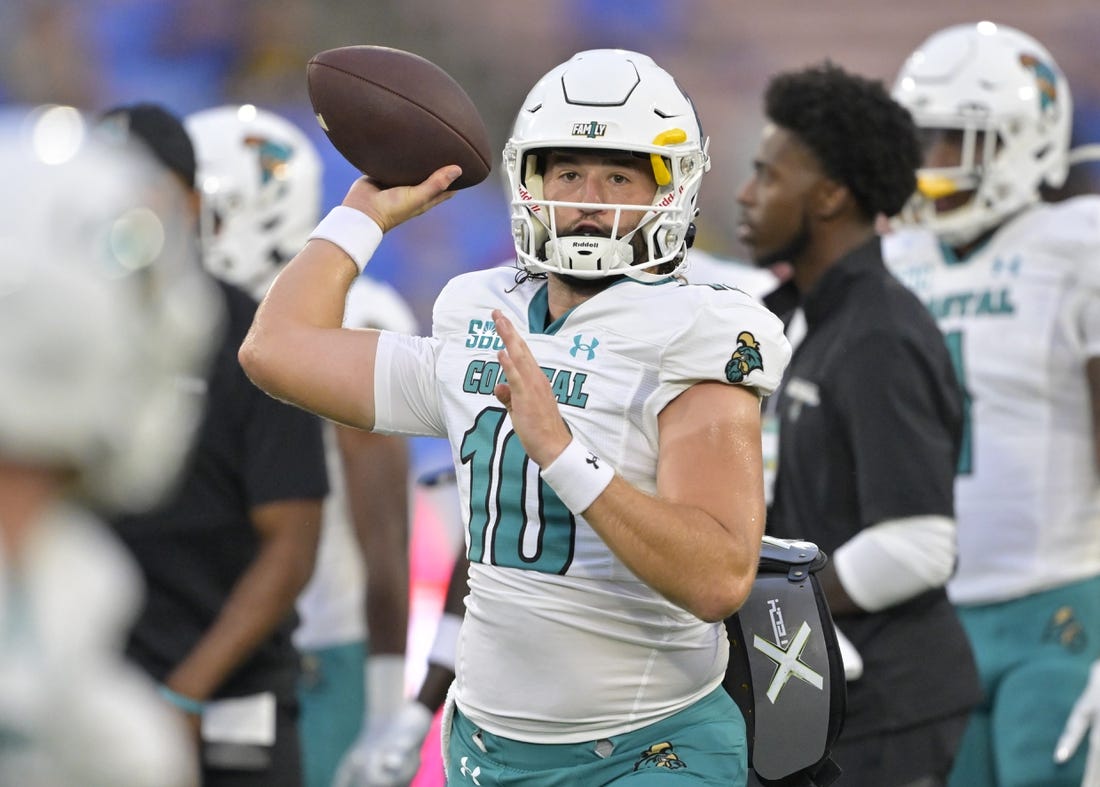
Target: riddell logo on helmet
592,129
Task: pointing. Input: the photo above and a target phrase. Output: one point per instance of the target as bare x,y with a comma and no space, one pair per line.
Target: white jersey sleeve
406,399
1075,237
729,337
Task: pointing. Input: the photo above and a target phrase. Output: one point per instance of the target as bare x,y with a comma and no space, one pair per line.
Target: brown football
396,116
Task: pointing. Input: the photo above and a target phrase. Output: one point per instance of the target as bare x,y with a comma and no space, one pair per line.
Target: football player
1014,285
604,419
105,322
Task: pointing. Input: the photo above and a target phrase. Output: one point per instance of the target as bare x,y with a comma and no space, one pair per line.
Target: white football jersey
1021,316
330,607
561,642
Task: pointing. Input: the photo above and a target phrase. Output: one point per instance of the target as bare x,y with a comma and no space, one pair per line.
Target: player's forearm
376,471
259,603
682,552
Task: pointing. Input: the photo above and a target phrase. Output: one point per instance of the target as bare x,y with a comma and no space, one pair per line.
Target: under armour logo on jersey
593,460
579,345
470,773
1010,266
789,662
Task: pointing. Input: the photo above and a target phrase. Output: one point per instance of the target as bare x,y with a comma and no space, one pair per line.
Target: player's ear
830,199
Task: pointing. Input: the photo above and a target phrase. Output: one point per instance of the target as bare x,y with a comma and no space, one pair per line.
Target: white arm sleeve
896,560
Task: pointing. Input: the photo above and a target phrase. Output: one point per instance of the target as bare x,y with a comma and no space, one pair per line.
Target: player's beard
792,250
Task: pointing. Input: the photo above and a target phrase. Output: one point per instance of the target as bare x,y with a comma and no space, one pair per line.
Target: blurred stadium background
192,54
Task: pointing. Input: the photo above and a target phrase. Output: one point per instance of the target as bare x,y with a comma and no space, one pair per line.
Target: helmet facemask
613,102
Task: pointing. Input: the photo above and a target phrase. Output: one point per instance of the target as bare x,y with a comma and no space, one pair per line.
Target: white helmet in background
259,177
1002,89
614,100
107,321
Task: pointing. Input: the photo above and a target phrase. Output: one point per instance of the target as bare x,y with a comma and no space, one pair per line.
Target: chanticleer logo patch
744,359
659,755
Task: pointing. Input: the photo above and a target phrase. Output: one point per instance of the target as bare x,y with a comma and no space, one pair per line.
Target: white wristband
445,644
578,476
353,231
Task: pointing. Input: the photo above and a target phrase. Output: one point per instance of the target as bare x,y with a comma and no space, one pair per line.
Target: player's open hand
528,398
390,207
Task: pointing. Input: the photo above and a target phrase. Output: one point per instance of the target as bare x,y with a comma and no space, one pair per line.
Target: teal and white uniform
561,642
1021,315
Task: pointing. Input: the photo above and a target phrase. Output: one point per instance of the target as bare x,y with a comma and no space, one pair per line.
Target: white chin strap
587,256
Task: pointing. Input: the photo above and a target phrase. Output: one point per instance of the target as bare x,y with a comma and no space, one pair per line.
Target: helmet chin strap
581,254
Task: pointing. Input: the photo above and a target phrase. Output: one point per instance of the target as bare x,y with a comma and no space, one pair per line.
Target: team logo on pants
659,755
1064,628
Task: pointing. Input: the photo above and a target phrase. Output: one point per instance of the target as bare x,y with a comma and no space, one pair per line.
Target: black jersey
251,450
870,422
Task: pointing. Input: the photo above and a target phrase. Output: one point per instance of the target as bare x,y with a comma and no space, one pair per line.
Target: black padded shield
785,669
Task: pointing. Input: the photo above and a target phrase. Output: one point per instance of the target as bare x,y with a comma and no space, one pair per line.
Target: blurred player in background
389,754
260,178
587,654
105,319
1015,286
869,419
227,555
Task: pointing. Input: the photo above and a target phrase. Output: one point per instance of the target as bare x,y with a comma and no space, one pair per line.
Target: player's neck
826,249
568,292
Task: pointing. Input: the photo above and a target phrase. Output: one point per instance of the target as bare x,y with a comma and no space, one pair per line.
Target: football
396,116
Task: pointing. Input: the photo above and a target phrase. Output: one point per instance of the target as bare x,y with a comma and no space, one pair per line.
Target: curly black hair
862,137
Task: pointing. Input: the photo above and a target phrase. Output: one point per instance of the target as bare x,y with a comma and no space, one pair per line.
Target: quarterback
604,421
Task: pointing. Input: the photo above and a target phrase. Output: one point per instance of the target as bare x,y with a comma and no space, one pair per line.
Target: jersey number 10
516,519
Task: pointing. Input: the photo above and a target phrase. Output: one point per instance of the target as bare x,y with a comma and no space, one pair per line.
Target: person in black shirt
225,558
870,418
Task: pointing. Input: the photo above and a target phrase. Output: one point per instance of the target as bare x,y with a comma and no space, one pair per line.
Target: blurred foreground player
105,317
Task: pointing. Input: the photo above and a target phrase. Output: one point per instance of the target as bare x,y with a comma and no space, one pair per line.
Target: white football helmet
107,320
1004,91
616,100
260,180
